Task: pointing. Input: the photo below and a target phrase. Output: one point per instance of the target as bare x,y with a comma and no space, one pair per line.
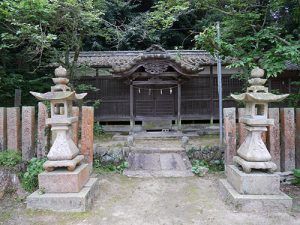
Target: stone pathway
158,159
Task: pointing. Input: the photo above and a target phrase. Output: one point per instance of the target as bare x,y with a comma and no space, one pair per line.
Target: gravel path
157,201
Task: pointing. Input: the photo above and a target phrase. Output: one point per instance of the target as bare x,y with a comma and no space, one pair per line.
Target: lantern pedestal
70,164
254,192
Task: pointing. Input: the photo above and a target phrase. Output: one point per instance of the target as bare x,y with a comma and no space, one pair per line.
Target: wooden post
41,145
230,134
179,107
211,104
131,108
241,126
75,125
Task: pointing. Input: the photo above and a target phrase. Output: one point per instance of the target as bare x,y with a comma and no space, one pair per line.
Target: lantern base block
70,164
248,166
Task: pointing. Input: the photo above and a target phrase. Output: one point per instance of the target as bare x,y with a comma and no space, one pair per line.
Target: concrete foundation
65,202
55,181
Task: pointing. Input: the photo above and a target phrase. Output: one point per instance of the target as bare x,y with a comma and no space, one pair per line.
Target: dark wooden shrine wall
199,97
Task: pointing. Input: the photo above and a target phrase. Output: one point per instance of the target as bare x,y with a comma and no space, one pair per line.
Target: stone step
169,164
147,150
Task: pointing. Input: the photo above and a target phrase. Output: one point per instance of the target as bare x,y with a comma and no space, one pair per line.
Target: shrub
10,158
30,177
109,167
296,180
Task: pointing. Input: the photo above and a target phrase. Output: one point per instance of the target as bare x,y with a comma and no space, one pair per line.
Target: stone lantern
253,153
65,185
64,152
255,187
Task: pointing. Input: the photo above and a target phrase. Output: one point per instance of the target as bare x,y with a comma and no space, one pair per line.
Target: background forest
36,33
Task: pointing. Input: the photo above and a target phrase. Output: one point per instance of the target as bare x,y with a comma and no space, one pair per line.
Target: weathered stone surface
298,138
249,166
87,135
241,126
274,137
66,202
130,140
64,181
28,132
254,203
13,129
70,164
287,118
229,134
256,183
3,129
184,141
75,125
9,182
41,126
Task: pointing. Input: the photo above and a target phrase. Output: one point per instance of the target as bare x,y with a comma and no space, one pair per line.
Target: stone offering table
251,184
65,185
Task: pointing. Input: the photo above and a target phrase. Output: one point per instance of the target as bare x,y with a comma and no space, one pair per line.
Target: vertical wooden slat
287,120
179,106
298,138
13,129
131,107
274,137
229,134
87,134
28,134
3,129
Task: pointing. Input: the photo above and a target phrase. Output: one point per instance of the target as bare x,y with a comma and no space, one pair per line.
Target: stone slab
66,202
13,129
229,134
87,134
41,133
28,132
3,129
64,181
50,165
257,183
287,118
274,137
158,173
254,203
75,125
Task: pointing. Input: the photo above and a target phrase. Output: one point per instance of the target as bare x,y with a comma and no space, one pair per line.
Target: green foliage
296,173
264,34
10,158
198,166
109,167
294,98
98,129
30,177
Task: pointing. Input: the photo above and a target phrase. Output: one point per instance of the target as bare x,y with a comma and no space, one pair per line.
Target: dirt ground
157,201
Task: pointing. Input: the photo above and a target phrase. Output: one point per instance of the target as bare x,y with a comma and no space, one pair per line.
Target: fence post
274,137
41,134
230,134
242,132
287,120
3,129
13,129
75,125
28,134
87,134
